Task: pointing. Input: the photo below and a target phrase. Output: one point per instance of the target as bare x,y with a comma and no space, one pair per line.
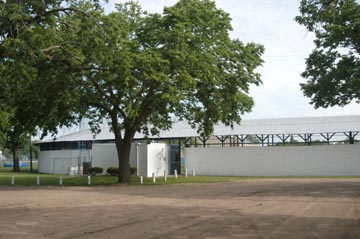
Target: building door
175,159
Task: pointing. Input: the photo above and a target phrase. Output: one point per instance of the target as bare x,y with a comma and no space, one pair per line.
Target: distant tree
333,68
141,69
253,139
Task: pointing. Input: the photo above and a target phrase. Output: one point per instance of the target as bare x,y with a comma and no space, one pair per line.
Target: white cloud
271,23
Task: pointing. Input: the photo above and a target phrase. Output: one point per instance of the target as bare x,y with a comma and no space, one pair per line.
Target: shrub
113,171
133,170
95,170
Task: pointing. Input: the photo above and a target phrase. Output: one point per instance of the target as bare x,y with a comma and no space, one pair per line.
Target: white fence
329,160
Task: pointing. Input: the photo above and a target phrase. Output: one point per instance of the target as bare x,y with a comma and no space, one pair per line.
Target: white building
175,148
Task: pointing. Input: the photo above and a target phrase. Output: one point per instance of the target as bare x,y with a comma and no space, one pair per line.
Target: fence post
175,173
186,173
38,180
60,180
89,180
153,178
12,180
141,180
165,178
193,172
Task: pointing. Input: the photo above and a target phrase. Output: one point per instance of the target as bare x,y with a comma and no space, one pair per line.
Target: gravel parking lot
257,208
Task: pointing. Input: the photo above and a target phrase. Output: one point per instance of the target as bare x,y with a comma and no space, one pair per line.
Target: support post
283,138
221,139
38,180
60,180
89,179
141,180
153,178
262,138
31,158
351,138
175,174
242,139
12,180
186,173
309,139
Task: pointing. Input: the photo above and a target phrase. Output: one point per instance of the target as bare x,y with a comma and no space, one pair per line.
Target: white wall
105,156
45,164
328,160
101,155
142,160
59,161
152,158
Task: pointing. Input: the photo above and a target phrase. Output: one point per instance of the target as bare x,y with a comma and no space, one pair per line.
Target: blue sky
287,44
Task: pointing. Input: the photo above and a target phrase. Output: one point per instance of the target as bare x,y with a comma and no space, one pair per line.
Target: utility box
152,158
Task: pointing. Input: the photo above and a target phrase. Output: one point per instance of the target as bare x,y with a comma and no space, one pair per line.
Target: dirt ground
270,208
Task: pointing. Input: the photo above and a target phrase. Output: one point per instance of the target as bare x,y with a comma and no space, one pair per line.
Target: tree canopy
140,69
134,68
333,68
36,90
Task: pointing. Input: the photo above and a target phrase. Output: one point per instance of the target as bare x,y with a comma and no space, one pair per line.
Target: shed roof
181,129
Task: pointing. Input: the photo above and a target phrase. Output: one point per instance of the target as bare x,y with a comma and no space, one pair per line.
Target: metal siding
258,126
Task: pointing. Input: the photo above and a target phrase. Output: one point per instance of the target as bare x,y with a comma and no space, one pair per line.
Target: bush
95,170
133,170
113,171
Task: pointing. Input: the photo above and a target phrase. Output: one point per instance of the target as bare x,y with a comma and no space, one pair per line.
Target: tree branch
99,105
39,18
109,98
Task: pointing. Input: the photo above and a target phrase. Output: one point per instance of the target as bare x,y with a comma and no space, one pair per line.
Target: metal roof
181,129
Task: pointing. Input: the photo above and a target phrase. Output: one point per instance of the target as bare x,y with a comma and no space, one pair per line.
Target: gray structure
338,156
261,132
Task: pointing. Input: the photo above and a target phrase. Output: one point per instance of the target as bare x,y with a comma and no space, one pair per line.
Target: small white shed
152,158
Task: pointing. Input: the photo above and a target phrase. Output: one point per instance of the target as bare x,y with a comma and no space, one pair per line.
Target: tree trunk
123,147
16,167
124,162
31,158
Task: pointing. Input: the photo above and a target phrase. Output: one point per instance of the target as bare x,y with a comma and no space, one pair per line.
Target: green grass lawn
30,179
25,178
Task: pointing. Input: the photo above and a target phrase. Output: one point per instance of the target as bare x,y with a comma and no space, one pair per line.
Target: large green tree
139,69
333,68
36,88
